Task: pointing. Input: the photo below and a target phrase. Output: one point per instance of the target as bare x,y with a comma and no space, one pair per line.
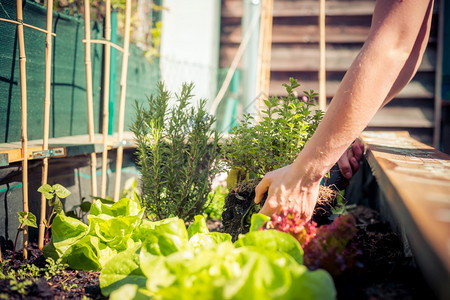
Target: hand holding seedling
290,188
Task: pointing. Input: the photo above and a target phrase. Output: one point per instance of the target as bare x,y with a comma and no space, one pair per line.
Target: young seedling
53,194
80,211
25,219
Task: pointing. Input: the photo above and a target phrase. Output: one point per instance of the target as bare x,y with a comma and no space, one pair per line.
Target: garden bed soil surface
385,272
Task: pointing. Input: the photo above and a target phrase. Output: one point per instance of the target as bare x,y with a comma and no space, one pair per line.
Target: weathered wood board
415,180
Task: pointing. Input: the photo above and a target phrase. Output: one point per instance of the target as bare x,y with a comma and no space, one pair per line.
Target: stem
15,241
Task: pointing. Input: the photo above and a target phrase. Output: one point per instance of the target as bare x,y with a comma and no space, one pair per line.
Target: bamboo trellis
322,50
264,54
89,100
23,99
106,76
48,65
125,50
24,133
123,90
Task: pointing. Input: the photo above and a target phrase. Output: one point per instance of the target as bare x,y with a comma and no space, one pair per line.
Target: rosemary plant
177,153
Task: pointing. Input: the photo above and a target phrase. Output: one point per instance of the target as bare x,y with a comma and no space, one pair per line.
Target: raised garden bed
383,271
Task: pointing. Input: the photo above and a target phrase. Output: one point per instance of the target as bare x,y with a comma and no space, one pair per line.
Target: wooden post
106,97
438,78
24,133
322,50
90,105
123,92
48,69
264,55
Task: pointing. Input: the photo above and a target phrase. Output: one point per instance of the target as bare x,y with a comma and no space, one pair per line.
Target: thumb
261,189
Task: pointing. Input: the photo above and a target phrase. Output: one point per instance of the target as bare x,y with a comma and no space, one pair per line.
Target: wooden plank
73,145
283,8
306,59
415,180
417,88
405,117
290,34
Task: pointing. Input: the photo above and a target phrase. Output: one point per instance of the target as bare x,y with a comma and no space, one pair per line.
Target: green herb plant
53,194
286,125
25,219
217,201
177,150
53,267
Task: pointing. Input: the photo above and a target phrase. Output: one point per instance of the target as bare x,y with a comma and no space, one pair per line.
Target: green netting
68,103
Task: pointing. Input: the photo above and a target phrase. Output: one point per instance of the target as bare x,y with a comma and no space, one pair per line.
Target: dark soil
384,271
68,284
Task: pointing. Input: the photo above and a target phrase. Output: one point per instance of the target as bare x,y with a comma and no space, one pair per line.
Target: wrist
313,167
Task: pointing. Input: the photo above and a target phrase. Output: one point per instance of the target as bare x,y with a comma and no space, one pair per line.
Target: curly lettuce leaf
123,269
123,207
198,226
66,231
272,240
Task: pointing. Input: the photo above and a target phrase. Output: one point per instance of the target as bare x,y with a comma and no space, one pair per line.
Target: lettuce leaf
198,226
66,231
272,240
123,269
123,207
163,237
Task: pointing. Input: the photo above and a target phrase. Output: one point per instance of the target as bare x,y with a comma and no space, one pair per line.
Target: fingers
261,189
344,166
358,149
354,164
266,210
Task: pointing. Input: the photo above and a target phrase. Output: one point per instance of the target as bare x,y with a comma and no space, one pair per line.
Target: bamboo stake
123,92
89,100
322,49
234,64
48,68
26,25
106,96
115,46
24,133
264,55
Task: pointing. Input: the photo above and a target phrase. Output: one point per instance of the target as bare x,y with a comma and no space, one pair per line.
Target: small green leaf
60,191
58,205
47,190
71,214
258,221
85,206
27,218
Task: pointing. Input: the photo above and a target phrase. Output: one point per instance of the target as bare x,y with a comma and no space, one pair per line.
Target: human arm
386,62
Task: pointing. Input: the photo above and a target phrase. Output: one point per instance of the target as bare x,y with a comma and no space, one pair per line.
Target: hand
349,161
288,187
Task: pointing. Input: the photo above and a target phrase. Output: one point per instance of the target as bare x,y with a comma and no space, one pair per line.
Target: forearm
385,64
